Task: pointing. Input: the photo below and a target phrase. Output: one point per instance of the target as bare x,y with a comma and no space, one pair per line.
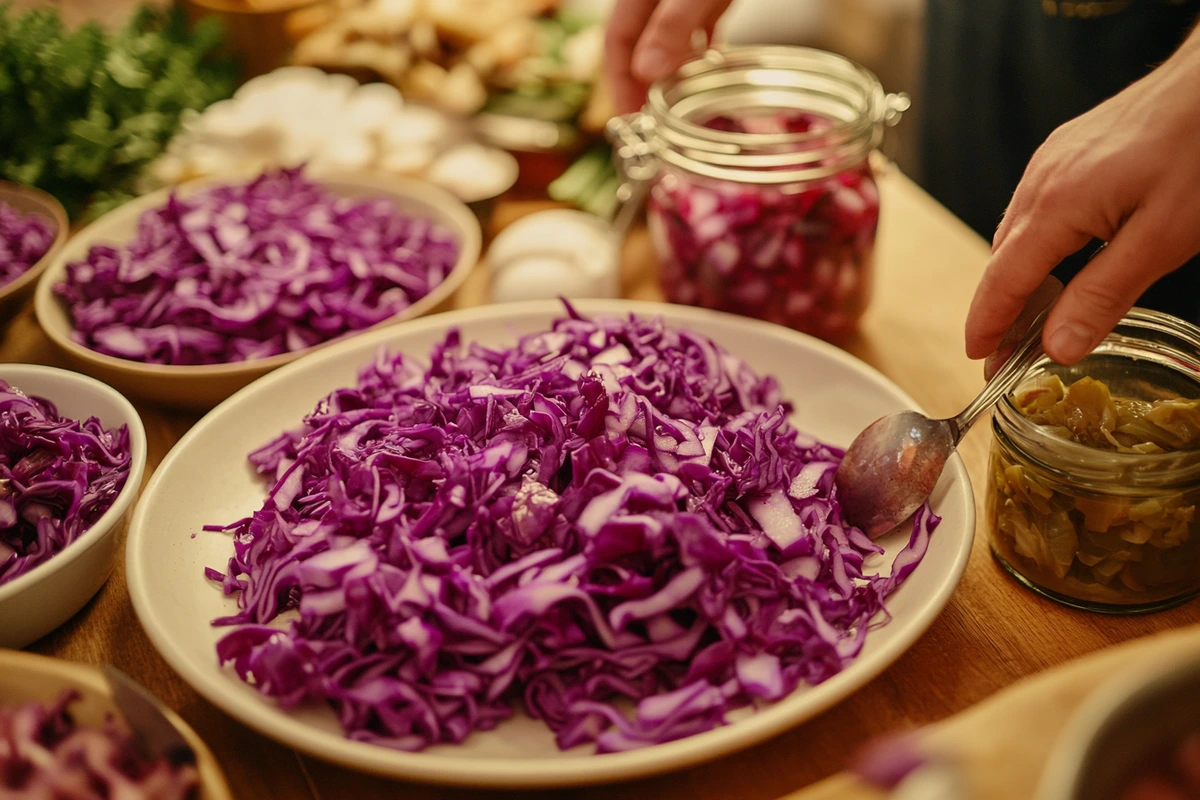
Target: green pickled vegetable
1118,548
1087,413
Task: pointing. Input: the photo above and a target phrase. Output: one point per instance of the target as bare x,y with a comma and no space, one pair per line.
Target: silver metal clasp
895,104
636,165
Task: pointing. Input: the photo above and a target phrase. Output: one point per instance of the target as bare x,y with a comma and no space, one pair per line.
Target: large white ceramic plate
205,479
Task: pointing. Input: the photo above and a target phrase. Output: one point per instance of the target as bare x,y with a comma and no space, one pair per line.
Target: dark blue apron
1002,74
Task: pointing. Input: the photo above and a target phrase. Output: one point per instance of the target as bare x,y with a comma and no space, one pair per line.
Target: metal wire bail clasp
894,106
635,163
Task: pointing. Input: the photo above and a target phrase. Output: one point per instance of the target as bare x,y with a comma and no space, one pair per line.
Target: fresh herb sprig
84,111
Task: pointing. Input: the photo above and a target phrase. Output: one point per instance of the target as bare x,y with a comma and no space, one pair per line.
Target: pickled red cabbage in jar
796,254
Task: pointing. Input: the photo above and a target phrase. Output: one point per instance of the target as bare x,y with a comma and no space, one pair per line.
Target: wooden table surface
991,634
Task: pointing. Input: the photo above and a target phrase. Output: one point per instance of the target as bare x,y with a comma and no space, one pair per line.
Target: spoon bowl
892,467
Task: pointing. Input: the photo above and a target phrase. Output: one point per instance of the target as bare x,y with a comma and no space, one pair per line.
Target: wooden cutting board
1002,744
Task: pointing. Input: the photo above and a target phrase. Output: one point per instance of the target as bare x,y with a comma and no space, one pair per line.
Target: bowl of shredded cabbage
187,294
72,453
62,736
33,228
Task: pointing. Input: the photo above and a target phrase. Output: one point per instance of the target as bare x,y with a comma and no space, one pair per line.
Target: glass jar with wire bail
1094,478
762,198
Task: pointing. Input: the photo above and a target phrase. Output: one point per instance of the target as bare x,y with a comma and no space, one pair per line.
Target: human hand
648,39
1127,172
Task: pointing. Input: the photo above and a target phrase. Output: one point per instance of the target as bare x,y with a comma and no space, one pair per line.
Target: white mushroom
409,160
271,81
414,125
473,172
342,154
372,107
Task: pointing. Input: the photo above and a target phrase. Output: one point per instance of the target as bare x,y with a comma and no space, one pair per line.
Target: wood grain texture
992,634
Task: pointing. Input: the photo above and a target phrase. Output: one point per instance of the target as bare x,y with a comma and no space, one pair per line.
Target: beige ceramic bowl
202,387
28,200
51,593
25,678
1122,726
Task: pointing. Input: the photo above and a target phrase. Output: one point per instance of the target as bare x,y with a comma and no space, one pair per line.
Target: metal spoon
153,734
892,467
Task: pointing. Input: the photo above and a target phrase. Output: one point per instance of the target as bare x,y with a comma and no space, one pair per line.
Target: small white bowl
200,387
1124,724
26,678
48,595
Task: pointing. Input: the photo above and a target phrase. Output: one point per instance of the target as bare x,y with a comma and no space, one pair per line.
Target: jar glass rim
772,56
1077,460
768,73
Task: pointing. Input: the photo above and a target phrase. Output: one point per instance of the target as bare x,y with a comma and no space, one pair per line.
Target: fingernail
1070,342
651,63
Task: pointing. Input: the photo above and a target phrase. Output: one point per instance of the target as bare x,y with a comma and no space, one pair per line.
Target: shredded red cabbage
243,272
799,255
46,755
57,477
24,239
611,511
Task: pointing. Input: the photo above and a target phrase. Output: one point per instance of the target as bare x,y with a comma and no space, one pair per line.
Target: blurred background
883,35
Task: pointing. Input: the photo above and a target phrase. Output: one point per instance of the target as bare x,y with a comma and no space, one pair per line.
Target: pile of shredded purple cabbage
611,514
57,477
248,271
44,754
24,239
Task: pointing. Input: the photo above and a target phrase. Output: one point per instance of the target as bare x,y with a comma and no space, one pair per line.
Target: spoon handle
1025,351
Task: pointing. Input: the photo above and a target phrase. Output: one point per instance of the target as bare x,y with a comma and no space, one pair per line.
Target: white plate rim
508,773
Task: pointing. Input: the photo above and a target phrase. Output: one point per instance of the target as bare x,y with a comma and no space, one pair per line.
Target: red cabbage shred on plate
248,271
799,255
24,239
46,755
612,524
57,478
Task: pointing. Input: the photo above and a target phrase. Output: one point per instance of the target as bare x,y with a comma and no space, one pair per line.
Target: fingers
625,26
1041,299
647,39
667,39
1031,249
1143,250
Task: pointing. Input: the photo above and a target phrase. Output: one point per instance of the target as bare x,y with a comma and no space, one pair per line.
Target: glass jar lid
755,80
